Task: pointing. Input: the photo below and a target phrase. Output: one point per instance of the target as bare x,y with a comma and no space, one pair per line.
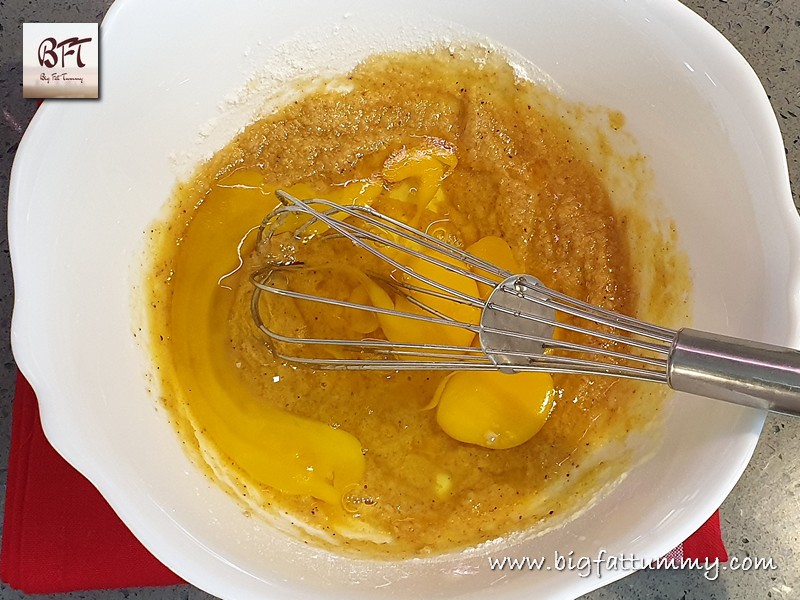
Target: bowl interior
91,176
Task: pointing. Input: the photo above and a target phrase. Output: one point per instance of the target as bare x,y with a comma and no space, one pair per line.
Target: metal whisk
515,325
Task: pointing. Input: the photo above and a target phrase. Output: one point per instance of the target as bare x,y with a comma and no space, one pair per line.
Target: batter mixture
452,140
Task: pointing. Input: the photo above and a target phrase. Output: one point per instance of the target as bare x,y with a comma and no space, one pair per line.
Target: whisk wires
515,325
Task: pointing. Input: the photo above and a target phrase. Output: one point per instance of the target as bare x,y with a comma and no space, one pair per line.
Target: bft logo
48,57
60,60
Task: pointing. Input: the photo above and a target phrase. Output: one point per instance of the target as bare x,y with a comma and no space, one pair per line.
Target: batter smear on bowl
457,143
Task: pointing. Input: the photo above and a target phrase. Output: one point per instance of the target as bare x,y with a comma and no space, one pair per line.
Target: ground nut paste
357,461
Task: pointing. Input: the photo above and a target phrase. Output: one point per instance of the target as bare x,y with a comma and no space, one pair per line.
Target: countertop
760,518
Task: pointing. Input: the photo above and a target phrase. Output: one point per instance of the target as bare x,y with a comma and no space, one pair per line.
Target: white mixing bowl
90,176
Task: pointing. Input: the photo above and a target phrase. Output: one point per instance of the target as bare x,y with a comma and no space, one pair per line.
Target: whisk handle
735,370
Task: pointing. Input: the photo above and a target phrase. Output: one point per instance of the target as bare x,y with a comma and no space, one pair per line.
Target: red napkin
59,535
704,545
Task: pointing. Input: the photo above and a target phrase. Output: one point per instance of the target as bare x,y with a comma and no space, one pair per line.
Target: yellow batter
364,461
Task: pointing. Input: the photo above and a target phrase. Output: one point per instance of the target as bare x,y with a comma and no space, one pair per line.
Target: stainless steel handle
739,371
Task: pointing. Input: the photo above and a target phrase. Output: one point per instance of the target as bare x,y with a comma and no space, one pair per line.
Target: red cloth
706,542
59,534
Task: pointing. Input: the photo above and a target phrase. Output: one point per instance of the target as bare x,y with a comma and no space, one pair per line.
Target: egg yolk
353,193
459,312
493,409
420,172
302,456
496,251
414,176
292,454
489,409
